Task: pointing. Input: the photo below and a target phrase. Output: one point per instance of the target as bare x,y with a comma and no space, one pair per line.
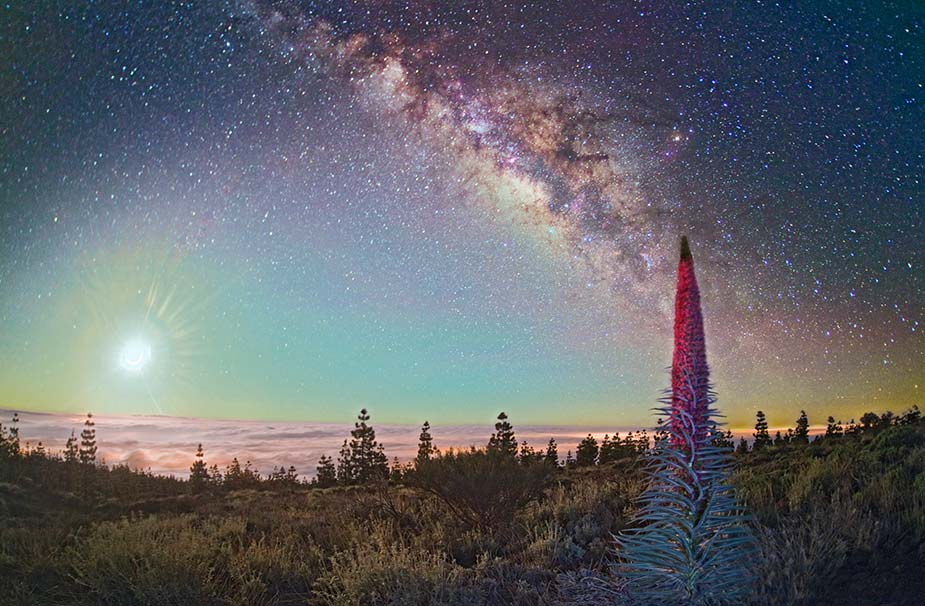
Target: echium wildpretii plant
690,541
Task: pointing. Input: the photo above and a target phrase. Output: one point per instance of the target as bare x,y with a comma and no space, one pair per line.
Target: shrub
798,558
183,560
481,487
382,570
577,518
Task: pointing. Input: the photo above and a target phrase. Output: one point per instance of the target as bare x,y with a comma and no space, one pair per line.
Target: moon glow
135,356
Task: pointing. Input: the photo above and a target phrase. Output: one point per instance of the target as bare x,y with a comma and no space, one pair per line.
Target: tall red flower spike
690,376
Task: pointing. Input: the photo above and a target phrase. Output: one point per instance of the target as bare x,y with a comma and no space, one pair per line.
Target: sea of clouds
167,445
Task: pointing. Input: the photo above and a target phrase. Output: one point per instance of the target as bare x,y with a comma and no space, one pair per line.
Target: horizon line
636,427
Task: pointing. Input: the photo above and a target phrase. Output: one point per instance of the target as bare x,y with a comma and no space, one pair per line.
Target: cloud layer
166,445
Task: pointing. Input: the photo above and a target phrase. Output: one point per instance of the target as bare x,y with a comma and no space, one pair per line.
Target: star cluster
448,209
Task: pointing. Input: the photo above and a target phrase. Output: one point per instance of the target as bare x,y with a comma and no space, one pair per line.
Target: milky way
445,209
525,147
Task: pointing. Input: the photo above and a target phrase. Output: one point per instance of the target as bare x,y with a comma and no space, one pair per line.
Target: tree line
75,451
362,458
799,434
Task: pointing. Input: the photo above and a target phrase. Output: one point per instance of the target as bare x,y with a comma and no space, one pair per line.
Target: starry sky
439,210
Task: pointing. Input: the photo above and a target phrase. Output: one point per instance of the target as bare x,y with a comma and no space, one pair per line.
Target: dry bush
482,488
183,560
798,557
573,524
383,570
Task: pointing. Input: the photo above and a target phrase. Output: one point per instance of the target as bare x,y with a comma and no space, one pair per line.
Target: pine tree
742,448
762,437
527,455
725,440
586,455
325,473
691,543
234,475
886,419
910,417
869,421
642,442
363,460
70,449
608,449
198,472
833,429
9,439
569,461
852,429
14,434
345,472
425,445
503,441
396,472
283,477
801,432
87,452
35,452
6,448
249,475
552,453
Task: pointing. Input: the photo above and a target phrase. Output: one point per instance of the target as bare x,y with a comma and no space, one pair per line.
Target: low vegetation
838,519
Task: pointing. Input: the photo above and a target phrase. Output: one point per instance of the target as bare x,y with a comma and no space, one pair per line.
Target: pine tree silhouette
345,471
87,451
396,471
528,455
199,473
801,431
325,473
503,441
834,428
607,451
586,453
38,451
9,439
363,459
425,445
14,434
761,435
742,448
71,450
552,453
234,475
616,448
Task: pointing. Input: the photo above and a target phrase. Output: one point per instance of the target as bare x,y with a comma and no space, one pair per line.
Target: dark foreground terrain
839,520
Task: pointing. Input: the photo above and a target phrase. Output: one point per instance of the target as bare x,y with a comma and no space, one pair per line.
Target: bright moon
135,355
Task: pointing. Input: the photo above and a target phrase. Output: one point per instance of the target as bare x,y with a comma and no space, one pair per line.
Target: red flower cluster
690,376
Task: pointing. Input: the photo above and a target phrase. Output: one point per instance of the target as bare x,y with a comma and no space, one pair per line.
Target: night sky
439,210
